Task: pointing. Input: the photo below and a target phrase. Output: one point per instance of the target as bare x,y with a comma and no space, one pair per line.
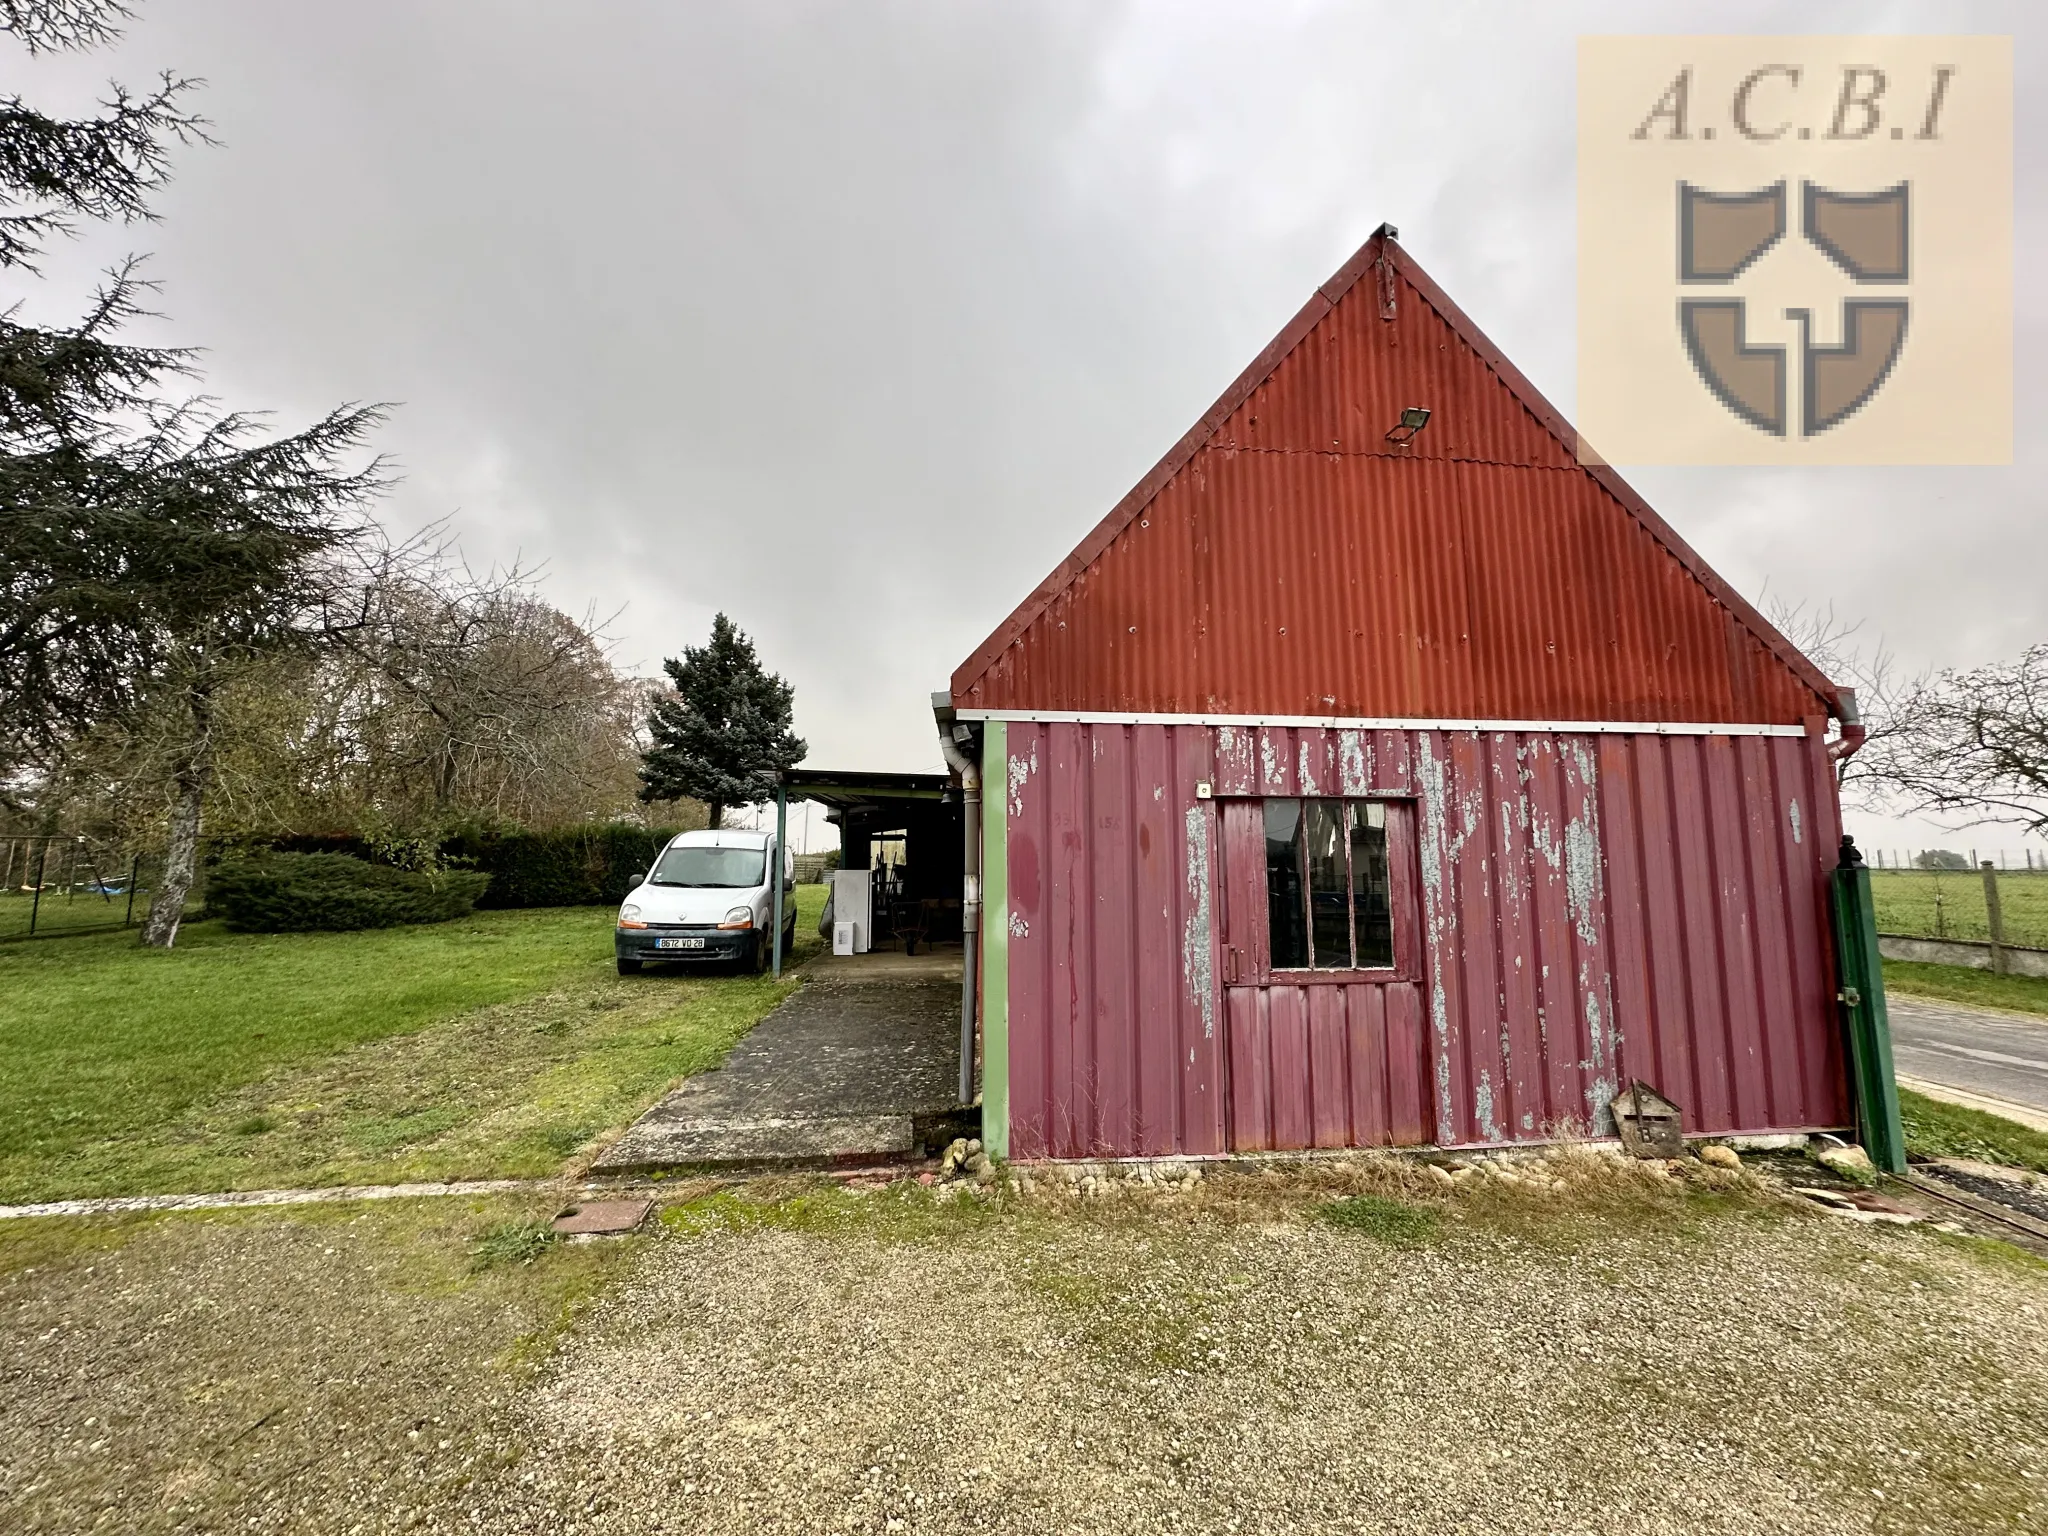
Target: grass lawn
57,915
1960,984
497,1045
1935,1129
1951,904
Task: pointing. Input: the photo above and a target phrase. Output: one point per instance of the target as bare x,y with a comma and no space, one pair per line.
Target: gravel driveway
1575,1358
1781,1376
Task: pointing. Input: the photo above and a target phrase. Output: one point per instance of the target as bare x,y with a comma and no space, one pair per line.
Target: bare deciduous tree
472,698
1832,644
1968,744
1973,744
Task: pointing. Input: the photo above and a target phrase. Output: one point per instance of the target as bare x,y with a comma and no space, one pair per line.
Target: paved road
2004,1055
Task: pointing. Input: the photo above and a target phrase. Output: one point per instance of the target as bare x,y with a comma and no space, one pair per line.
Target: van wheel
629,967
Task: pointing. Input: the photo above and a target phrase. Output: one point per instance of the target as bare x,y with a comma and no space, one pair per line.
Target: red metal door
1320,1057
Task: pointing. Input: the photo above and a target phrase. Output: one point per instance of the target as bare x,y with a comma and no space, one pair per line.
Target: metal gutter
1363,723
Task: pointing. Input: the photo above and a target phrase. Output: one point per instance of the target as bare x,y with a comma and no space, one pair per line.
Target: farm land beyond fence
1950,903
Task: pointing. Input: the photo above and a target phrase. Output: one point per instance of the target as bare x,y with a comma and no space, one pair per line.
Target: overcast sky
850,319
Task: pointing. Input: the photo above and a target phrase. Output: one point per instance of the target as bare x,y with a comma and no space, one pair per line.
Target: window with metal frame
1328,902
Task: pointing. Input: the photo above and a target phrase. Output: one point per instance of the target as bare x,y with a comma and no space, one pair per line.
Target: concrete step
657,1143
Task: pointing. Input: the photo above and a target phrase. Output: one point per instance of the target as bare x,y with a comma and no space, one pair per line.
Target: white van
708,898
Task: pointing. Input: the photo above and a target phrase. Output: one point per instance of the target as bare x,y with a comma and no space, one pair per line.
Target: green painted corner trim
995,938
1872,1080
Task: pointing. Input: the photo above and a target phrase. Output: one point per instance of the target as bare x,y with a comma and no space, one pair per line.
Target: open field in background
1950,904
493,1046
1339,1349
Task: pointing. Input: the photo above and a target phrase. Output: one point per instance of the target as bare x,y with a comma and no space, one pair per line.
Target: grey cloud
851,319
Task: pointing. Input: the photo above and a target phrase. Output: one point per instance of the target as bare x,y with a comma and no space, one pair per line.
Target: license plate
678,943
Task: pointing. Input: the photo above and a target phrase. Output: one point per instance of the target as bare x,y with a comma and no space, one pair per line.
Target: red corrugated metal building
1354,784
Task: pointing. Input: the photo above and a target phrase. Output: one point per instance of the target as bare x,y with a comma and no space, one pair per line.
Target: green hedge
571,867
300,892
583,866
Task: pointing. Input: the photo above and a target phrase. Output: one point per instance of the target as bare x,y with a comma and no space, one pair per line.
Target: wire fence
2028,861
1936,894
63,883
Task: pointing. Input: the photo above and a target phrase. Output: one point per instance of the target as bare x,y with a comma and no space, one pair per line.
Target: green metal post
1862,996
781,860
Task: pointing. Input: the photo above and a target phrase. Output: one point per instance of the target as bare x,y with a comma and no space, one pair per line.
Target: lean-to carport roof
843,789
1286,559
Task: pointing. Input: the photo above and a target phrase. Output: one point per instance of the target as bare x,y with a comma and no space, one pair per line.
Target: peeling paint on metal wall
1591,909
1198,939
1114,1046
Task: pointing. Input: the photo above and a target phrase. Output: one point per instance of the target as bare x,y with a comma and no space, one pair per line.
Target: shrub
299,892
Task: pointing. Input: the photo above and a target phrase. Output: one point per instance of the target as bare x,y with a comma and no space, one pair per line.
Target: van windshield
723,868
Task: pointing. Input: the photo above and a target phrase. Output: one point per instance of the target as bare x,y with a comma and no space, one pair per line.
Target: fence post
1996,918
1862,997
35,905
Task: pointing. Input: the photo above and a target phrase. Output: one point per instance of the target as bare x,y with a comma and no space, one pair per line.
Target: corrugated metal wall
1115,1034
1296,563
1593,907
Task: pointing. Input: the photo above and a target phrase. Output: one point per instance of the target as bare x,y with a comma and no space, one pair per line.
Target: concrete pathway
1981,1052
861,1064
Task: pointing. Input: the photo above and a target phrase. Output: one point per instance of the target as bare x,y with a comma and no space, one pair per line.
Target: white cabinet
850,904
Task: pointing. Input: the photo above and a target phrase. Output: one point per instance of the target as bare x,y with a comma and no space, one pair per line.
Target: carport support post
781,863
1871,1077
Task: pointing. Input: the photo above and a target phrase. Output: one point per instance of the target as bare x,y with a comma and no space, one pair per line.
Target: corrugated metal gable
1285,559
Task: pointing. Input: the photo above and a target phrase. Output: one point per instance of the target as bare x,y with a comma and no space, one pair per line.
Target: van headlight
630,909
739,917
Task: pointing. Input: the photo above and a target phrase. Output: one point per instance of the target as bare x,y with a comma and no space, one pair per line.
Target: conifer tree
725,734
150,545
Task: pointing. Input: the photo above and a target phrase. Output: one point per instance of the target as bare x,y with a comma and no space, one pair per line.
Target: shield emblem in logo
1722,235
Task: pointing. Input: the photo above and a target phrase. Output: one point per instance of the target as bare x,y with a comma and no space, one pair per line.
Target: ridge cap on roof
1383,243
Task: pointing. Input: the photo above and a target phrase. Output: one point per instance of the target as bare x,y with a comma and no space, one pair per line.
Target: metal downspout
953,738
1854,732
